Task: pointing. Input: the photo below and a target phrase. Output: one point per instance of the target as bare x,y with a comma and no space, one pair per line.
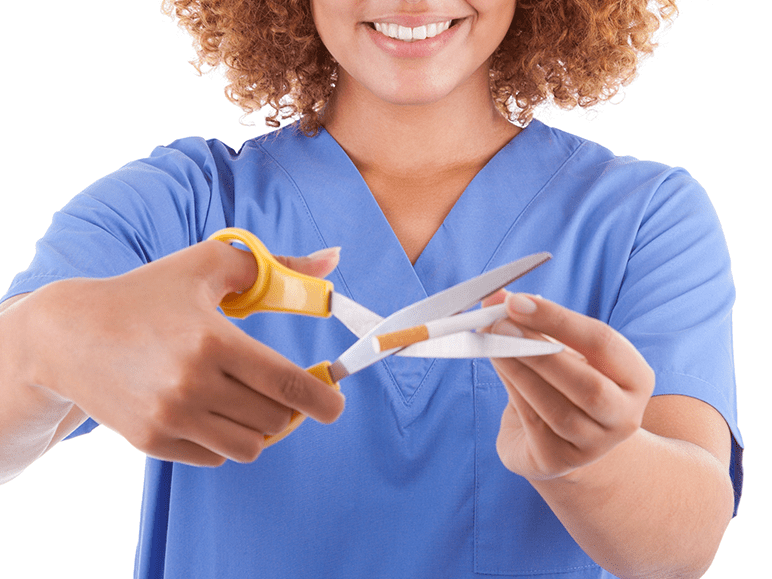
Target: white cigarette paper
472,320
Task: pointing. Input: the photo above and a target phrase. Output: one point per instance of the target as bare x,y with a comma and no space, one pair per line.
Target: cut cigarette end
400,339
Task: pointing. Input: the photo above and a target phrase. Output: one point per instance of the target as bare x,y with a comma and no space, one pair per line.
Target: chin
414,95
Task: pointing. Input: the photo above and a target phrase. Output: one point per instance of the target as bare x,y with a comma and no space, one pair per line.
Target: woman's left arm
642,484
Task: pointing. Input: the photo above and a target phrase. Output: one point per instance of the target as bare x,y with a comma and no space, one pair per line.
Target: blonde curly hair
574,52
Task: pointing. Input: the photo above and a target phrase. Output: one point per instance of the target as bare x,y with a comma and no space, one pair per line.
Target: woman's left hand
566,410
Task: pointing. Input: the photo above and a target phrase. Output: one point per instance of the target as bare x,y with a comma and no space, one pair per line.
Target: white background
90,85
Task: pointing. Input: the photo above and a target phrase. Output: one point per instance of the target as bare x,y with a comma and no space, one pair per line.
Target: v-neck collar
374,269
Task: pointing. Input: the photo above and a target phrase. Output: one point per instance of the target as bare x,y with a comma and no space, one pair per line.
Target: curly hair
573,52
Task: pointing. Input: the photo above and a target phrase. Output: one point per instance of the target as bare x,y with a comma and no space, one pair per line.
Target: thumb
318,264
224,268
497,297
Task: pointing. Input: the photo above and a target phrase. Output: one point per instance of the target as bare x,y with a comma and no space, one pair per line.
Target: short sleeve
145,210
675,301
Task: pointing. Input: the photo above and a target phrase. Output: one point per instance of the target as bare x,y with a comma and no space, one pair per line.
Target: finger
208,440
604,348
240,404
186,452
568,372
525,438
319,264
546,404
226,438
265,371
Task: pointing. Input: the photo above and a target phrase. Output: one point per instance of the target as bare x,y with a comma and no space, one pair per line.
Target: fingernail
506,328
326,253
520,304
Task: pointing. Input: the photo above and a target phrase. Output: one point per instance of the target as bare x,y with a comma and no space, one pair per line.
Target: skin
641,484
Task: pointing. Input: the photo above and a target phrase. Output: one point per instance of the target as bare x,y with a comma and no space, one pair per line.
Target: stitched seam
409,401
528,205
476,464
709,385
393,382
299,193
537,572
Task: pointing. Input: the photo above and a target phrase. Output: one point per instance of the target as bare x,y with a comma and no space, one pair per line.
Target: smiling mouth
406,34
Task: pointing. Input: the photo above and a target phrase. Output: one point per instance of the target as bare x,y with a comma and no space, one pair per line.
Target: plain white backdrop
92,84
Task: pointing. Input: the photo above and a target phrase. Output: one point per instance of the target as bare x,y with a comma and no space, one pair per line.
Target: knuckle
202,342
563,420
604,338
278,421
649,379
628,421
149,440
633,422
249,448
628,426
214,460
165,414
594,399
172,403
292,386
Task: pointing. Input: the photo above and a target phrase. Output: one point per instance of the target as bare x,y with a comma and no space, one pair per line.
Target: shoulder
266,159
206,153
192,170
598,161
594,174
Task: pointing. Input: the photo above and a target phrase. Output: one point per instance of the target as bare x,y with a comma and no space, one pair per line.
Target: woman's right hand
148,355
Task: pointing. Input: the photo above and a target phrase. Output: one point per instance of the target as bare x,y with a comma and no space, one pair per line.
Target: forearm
652,507
31,418
642,483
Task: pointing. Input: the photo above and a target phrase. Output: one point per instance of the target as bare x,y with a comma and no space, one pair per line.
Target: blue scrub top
407,482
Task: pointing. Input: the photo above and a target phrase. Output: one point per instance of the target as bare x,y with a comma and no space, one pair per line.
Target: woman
408,160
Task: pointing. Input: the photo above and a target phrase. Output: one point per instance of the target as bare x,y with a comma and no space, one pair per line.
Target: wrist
23,346
31,416
607,471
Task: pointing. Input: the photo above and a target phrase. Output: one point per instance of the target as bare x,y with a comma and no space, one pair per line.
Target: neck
464,129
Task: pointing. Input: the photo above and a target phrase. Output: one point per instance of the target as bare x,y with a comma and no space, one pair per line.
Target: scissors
280,289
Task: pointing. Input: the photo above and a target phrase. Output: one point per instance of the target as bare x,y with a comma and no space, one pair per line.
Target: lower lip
415,49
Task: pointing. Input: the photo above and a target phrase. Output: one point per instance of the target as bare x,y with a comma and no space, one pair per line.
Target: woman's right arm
32,419
148,355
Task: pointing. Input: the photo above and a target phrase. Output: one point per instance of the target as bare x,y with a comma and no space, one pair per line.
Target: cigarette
473,320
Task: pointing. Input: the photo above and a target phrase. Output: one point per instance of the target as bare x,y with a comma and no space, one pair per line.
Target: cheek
497,14
493,20
502,7
327,18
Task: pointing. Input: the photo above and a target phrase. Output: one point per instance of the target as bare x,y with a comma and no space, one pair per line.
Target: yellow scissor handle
277,288
321,371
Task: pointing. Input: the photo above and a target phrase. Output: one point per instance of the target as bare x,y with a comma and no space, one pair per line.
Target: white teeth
410,34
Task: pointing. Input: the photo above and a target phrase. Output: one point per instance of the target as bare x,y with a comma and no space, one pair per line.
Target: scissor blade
445,303
354,316
479,345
